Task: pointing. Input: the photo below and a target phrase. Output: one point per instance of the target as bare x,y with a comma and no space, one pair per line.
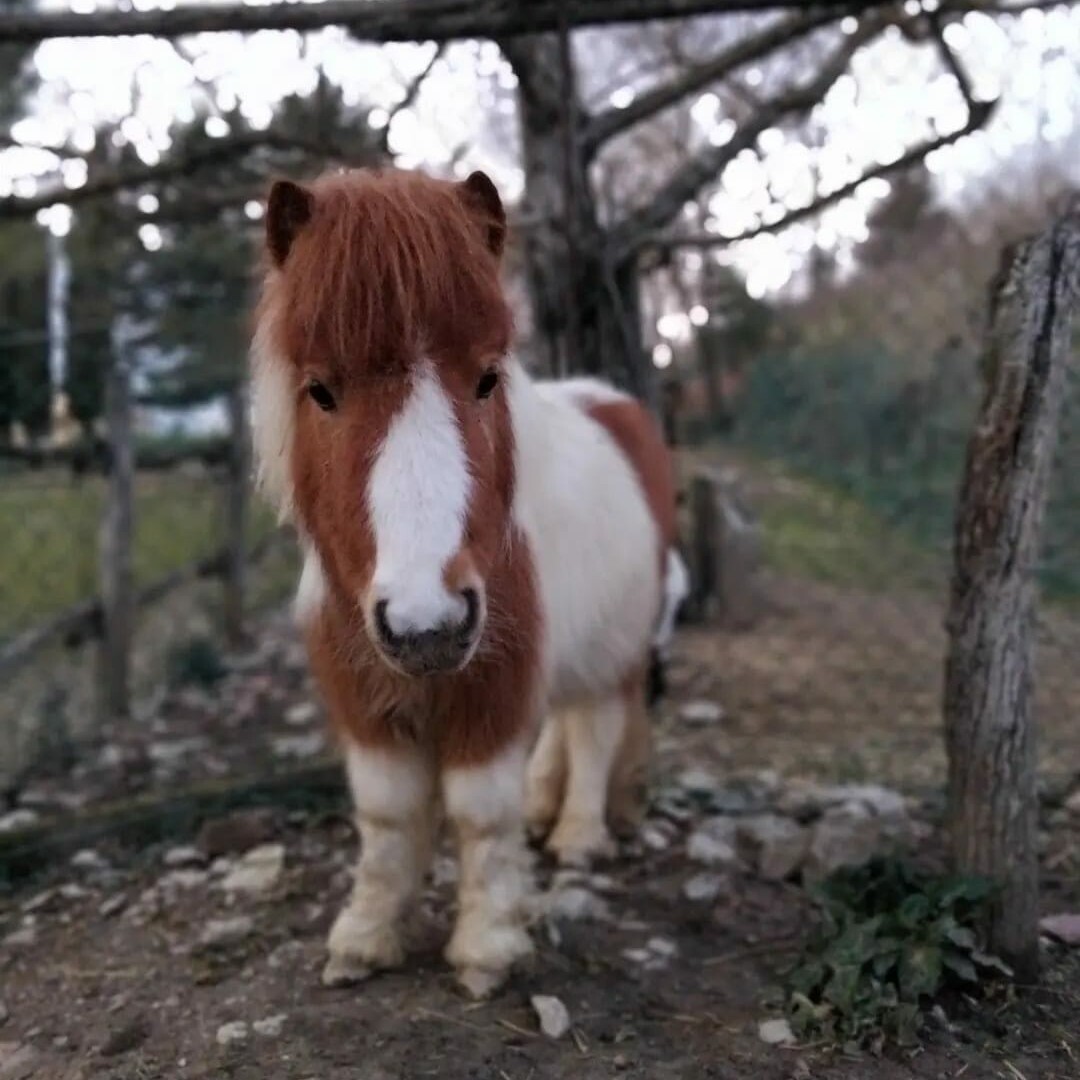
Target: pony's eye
486,386
321,396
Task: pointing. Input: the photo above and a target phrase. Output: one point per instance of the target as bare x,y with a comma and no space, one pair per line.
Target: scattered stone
182,880
127,1037
846,835
638,956
237,833
775,1032
185,855
1072,803
662,946
775,845
703,888
655,838
1064,928
112,906
233,1032
270,1026
169,753
18,819
220,933
18,1061
620,1062
575,902
89,859
552,1014
712,842
698,782
21,938
71,890
257,872
701,713
39,901
299,746
303,713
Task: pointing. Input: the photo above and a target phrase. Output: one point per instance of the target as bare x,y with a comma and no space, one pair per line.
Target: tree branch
412,92
977,118
374,20
612,121
108,183
688,180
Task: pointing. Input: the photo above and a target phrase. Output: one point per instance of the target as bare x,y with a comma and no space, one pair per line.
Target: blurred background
777,226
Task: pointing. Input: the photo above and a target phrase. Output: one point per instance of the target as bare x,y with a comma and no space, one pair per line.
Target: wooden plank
989,675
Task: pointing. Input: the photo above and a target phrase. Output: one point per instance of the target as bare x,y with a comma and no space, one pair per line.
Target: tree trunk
989,730
585,308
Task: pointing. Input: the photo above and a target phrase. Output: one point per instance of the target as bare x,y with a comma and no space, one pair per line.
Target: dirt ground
107,970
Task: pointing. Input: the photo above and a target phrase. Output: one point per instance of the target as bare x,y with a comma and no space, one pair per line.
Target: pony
488,559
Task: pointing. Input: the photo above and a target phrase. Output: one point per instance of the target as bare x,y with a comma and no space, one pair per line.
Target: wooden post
990,738
236,515
117,526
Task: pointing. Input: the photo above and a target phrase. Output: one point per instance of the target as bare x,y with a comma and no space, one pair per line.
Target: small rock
126,1038
620,1062
39,901
170,753
846,835
299,746
662,946
655,839
18,819
638,956
775,1032
237,833
701,713
22,938
181,880
574,903
1064,928
1072,803
698,782
89,859
776,845
112,906
257,872
552,1014
712,842
270,1026
702,888
185,855
219,933
303,713
233,1032
71,890
18,1061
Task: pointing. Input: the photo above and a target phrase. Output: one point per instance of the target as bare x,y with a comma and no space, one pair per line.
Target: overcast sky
894,96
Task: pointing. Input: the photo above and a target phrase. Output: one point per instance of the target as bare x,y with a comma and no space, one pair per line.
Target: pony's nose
425,649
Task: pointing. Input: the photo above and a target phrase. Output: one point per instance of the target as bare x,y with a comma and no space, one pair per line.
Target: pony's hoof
480,983
346,971
578,847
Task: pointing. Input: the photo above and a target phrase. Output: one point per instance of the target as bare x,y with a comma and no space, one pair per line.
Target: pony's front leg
485,803
393,791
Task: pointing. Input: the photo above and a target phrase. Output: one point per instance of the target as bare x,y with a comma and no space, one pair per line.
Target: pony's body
481,550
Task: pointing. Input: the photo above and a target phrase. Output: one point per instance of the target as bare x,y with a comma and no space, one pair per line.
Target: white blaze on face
418,500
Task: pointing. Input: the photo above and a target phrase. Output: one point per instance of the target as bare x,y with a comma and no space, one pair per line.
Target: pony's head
380,421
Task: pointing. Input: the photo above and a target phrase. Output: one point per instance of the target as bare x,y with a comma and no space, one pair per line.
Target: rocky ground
200,956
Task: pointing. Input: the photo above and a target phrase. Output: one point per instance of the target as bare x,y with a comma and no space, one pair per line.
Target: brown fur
387,268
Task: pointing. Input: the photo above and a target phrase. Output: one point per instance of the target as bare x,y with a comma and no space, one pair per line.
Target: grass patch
49,525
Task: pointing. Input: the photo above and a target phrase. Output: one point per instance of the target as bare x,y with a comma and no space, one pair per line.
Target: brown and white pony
480,550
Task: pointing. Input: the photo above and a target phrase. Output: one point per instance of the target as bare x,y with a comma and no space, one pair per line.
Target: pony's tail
676,590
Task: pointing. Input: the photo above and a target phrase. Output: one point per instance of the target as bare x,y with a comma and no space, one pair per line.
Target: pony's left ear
288,209
481,194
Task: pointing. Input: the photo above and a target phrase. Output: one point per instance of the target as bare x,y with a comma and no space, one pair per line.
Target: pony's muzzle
428,651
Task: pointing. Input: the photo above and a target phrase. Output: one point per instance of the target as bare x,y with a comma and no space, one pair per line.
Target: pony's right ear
288,209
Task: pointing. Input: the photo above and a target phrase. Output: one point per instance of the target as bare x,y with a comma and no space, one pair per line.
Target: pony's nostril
382,625
472,611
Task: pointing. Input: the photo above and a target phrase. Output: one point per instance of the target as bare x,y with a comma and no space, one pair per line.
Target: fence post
236,514
115,546
989,732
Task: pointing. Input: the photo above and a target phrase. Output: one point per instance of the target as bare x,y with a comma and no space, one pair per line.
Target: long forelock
388,258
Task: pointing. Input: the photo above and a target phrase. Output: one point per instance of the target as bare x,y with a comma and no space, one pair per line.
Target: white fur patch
418,499
387,785
312,590
486,795
593,538
273,408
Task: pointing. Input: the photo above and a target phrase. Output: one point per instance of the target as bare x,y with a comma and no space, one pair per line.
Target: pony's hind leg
394,797
593,737
628,786
545,779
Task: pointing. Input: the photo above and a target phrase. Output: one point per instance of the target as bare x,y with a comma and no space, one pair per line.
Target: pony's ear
288,209
481,194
